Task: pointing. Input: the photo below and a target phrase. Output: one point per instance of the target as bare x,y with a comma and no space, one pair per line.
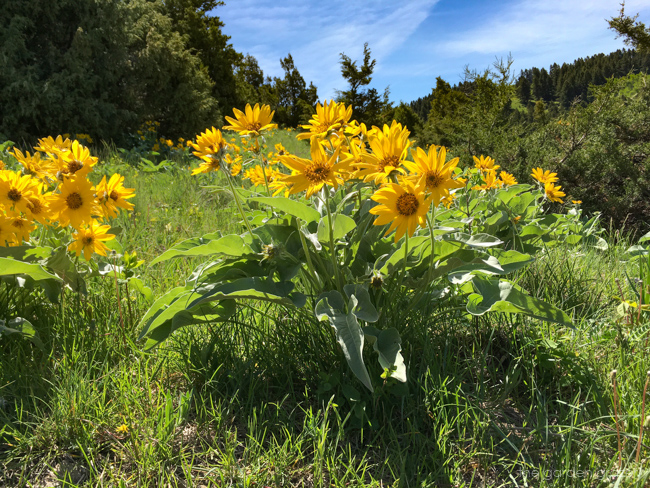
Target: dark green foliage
523,90
368,106
98,67
635,33
295,100
203,35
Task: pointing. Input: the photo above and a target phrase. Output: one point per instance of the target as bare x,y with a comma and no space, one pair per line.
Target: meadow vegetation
266,394
203,290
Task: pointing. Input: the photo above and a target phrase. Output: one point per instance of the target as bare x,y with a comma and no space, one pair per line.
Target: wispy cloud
414,41
316,33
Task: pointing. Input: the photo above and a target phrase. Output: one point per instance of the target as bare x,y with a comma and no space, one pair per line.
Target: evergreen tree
635,33
367,104
523,90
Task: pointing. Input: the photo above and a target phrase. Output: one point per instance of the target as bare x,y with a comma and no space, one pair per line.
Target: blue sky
414,41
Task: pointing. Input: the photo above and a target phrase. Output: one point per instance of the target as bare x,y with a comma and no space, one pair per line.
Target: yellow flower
122,429
75,202
544,176
54,147
553,193
403,206
112,195
507,178
251,122
39,208
15,190
210,147
389,149
22,228
330,117
88,239
34,165
448,201
433,172
7,231
257,177
77,161
490,181
485,163
156,147
576,202
311,175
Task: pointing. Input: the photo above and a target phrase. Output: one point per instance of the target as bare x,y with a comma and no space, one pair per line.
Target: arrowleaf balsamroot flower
490,181
15,190
485,163
330,117
507,178
433,172
402,206
210,146
389,149
554,193
544,176
112,195
75,202
312,174
253,121
7,231
88,239
76,162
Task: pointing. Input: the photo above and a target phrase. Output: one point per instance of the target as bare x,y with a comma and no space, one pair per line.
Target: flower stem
241,209
330,221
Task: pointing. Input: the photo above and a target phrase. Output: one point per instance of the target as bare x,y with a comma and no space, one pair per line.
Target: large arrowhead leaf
364,310
230,245
348,334
291,207
21,327
503,296
342,225
34,271
476,240
171,312
388,344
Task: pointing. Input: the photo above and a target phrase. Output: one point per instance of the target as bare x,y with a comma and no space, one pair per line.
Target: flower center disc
407,204
74,166
317,172
114,196
87,241
254,126
389,161
434,179
14,195
74,201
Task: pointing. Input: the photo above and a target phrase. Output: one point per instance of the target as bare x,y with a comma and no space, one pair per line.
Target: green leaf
230,245
503,296
348,334
388,344
342,225
172,311
512,260
25,252
364,310
289,206
138,285
247,288
34,271
22,327
476,240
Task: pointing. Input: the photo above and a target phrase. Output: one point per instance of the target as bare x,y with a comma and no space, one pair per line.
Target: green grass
266,399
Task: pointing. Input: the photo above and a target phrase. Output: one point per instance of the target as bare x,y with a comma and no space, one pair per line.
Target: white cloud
316,33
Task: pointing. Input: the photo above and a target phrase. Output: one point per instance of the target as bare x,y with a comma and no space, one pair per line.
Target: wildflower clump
52,189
